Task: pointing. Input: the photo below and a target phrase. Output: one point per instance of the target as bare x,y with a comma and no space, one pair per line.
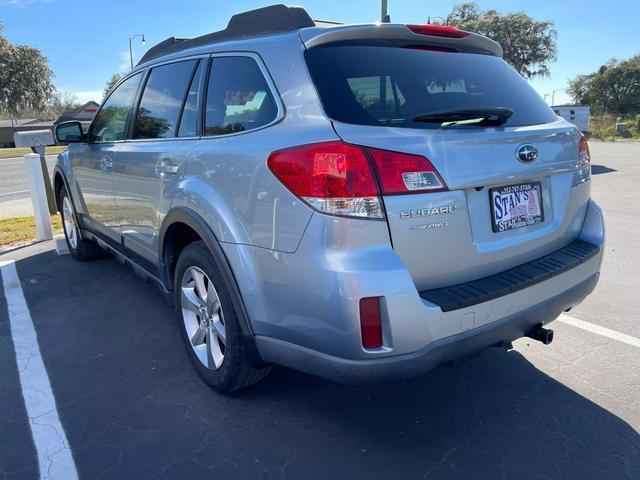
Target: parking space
131,406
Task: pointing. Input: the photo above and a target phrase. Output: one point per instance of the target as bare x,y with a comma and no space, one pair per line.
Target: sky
87,40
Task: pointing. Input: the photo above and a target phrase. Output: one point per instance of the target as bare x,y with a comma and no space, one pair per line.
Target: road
130,405
15,199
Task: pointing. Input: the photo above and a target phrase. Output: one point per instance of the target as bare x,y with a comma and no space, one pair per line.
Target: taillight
337,178
333,177
438,31
401,173
370,322
584,157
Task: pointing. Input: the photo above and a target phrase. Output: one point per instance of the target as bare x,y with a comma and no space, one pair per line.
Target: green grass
19,230
19,152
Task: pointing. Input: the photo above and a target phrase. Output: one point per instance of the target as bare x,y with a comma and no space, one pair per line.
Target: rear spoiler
403,35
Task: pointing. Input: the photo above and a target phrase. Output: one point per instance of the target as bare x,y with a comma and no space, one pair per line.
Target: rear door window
238,97
383,85
162,100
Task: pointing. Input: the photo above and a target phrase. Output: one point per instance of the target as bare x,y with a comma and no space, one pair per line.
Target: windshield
392,86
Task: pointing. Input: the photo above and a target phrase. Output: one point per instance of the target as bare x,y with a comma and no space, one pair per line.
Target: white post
38,196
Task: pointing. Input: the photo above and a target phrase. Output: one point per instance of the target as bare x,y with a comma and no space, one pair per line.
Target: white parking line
54,456
597,329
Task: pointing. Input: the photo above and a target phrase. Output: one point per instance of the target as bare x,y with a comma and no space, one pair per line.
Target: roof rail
329,23
262,21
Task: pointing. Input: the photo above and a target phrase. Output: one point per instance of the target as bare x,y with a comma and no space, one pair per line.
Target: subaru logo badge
527,153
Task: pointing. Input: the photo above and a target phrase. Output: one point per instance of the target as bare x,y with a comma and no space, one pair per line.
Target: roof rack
273,19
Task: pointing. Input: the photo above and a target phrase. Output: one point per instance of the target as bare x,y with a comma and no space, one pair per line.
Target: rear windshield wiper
468,116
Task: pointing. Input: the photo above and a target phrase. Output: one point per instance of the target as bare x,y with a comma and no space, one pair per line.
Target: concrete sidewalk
16,208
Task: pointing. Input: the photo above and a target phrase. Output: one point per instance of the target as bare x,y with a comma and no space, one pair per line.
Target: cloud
24,3
85,95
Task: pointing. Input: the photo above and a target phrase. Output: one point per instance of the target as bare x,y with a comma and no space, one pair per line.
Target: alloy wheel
70,227
203,317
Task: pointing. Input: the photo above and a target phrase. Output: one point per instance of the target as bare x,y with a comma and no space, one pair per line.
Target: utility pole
384,15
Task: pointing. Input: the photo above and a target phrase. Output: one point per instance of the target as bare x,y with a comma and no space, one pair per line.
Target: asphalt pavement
131,405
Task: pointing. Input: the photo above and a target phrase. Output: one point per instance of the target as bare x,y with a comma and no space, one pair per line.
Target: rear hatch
503,191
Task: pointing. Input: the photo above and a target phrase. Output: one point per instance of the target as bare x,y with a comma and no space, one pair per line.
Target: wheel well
176,238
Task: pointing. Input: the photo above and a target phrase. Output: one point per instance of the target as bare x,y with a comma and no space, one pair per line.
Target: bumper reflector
370,323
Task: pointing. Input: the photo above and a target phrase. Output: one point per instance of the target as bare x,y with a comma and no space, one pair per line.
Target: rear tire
79,248
209,322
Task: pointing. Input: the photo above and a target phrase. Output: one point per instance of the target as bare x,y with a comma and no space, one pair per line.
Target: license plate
516,206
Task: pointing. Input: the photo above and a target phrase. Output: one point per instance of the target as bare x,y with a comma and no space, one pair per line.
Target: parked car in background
360,202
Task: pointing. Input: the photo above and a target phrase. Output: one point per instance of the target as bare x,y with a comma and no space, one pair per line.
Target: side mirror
69,132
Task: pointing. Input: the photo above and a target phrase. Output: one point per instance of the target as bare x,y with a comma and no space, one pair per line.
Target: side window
238,97
189,121
157,115
110,123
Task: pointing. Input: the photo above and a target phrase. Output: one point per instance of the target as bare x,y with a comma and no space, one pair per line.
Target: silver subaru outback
360,202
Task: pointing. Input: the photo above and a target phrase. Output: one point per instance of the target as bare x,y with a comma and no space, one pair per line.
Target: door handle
166,167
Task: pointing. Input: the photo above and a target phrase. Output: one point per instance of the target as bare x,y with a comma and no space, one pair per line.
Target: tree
115,78
25,78
63,103
529,45
25,85
614,88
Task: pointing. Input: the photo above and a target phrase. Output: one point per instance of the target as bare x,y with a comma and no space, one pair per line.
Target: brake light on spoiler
338,178
438,31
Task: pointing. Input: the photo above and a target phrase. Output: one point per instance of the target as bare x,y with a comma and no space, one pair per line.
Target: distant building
83,114
576,114
8,127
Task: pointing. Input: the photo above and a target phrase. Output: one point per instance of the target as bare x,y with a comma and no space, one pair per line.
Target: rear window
375,85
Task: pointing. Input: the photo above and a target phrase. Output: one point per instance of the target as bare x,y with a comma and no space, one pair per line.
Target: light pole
384,15
553,94
130,50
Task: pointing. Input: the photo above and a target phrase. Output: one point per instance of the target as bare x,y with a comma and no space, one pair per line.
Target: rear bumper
418,333
399,367
304,306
